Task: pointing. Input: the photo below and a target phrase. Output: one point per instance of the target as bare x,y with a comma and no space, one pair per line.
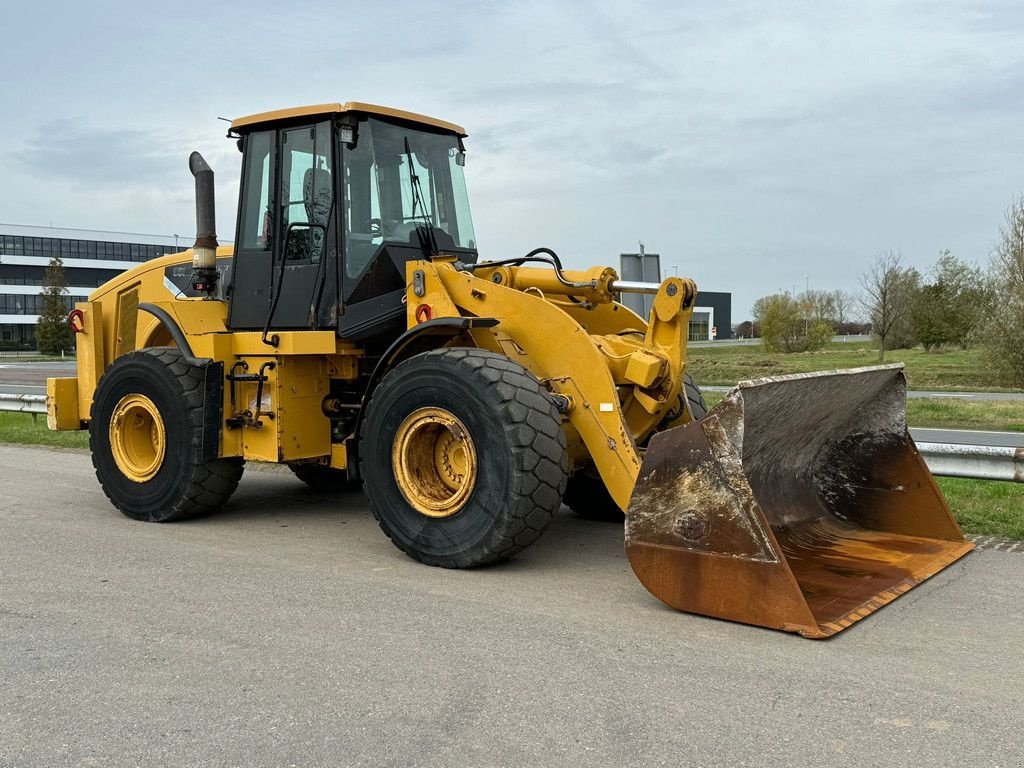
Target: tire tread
533,424
210,482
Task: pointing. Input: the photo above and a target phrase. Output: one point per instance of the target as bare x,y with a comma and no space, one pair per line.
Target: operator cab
334,200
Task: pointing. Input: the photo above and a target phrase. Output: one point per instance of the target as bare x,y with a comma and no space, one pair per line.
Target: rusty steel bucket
799,503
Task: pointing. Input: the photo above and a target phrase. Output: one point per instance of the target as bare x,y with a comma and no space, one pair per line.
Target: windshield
398,179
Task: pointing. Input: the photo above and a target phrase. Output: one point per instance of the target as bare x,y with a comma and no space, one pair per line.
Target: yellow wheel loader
353,333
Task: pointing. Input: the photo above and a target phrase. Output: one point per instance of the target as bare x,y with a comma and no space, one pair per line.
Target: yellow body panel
62,404
289,422
317,110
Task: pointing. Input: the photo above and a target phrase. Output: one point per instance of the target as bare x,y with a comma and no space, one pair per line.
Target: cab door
287,245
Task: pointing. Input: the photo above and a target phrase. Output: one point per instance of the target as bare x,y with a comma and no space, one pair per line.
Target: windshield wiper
427,241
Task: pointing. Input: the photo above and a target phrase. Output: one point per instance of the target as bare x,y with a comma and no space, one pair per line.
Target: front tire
146,437
463,457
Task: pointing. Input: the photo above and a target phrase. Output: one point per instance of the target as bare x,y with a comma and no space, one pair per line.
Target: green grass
987,507
981,506
997,415
950,370
20,428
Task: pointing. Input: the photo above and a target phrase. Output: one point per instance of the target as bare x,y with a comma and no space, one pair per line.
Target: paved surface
288,631
967,436
30,378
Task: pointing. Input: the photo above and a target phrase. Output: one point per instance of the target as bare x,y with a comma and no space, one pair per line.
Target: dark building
90,259
712,317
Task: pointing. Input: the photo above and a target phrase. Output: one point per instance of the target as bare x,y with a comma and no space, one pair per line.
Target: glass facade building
90,259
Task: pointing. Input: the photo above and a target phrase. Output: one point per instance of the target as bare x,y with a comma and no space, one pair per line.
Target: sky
757,146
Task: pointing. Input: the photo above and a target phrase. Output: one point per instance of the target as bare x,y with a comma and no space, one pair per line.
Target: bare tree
1006,351
889,292
843,303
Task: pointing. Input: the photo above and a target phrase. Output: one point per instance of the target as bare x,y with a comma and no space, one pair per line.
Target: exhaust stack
204,258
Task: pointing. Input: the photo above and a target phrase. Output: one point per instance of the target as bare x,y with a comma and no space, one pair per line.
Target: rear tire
324,479
172,480
510,457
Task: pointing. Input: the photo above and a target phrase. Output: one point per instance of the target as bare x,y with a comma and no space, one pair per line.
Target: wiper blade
417,201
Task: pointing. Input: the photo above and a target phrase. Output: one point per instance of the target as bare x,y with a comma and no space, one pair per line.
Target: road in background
967,436
30,378
288,630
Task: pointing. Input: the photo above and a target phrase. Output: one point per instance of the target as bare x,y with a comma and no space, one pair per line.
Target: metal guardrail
22,403
979,462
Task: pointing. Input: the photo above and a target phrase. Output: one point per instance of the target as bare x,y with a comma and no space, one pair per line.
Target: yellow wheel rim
434,462
137,438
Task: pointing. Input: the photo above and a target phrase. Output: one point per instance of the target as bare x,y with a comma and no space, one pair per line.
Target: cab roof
336,109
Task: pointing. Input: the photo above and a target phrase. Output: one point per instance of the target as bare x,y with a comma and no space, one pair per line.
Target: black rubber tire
690,397
585,493
587,496
185,486
694,398
520,448
324,479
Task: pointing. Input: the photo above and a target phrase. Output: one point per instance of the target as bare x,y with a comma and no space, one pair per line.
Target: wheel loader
353,333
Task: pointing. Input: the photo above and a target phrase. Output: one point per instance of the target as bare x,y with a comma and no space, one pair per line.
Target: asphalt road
288,631
968,436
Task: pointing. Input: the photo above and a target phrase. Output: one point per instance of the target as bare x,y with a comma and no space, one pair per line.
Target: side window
307,192
363,226
257,217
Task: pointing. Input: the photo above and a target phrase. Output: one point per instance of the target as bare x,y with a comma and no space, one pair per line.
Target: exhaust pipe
204,252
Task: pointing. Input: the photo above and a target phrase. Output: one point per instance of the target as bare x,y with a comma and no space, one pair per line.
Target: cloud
749,143
96,155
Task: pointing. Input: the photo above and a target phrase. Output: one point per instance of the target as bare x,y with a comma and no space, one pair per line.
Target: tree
1006,327
748,330
53,334
788,324
819,305
951,308
929,317
889,293
843,303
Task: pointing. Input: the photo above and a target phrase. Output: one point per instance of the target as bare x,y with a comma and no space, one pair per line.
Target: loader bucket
798,503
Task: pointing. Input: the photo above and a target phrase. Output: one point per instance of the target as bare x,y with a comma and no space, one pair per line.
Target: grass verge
945,370
20,428
942,413
981,506
986,506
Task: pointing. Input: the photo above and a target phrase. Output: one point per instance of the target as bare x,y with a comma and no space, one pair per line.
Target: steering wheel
374,227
